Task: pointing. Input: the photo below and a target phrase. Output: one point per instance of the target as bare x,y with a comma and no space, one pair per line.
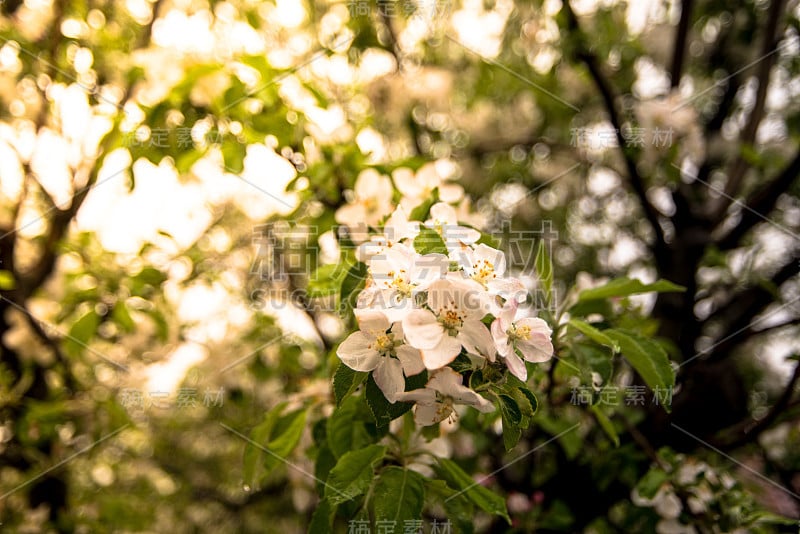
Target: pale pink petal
426,415
455,235
475,337
356,352
440,294
495,257
350,213
451,192
372,322
537,326
508,314
511,289
429,268
422,330
516,366
537,349
445,352
389,378
445,381
500,338
411,360
442,213
405,182
422,396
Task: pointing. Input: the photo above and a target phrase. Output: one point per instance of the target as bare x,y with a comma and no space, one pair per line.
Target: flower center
451,318
400,282
519,332
370,204
483,271
445,408
384,344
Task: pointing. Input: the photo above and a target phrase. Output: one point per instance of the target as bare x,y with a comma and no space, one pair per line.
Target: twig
748,136
634,178
747,431
761,202
679,49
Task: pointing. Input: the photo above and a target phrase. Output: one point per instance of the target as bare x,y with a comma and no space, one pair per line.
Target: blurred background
170,173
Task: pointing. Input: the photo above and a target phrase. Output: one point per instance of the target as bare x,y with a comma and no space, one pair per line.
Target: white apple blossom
371,202
452,321
398,275
418,187
487,266
378,347
530,336
444,220
397,229
435,402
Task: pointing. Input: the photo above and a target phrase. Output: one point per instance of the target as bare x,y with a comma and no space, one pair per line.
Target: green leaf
286,435
566,432
322,518
122,317
346,429
456,506
511,434
509,409
648,358
544,270
382,410
593,358
260,435
187,159
429,242
532,401
354,281
353,474
346,381
327,280
399,495
233,153
606,424
622,287
594,334
82,331
420,213
648,486
485,499
512,417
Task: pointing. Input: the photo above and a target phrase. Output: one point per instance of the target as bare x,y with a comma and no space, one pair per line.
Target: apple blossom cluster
433,293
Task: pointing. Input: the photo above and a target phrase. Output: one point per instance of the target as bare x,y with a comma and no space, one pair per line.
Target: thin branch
747,431
679,48
609,99
59,224
748,135
740,310
761,202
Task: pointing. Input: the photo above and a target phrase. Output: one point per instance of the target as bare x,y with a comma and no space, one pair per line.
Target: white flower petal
411,360
356,352
442,213
422,330
475,337
422,396
428,414
516,366
372,322
500,337
495,257
443,353
389,378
